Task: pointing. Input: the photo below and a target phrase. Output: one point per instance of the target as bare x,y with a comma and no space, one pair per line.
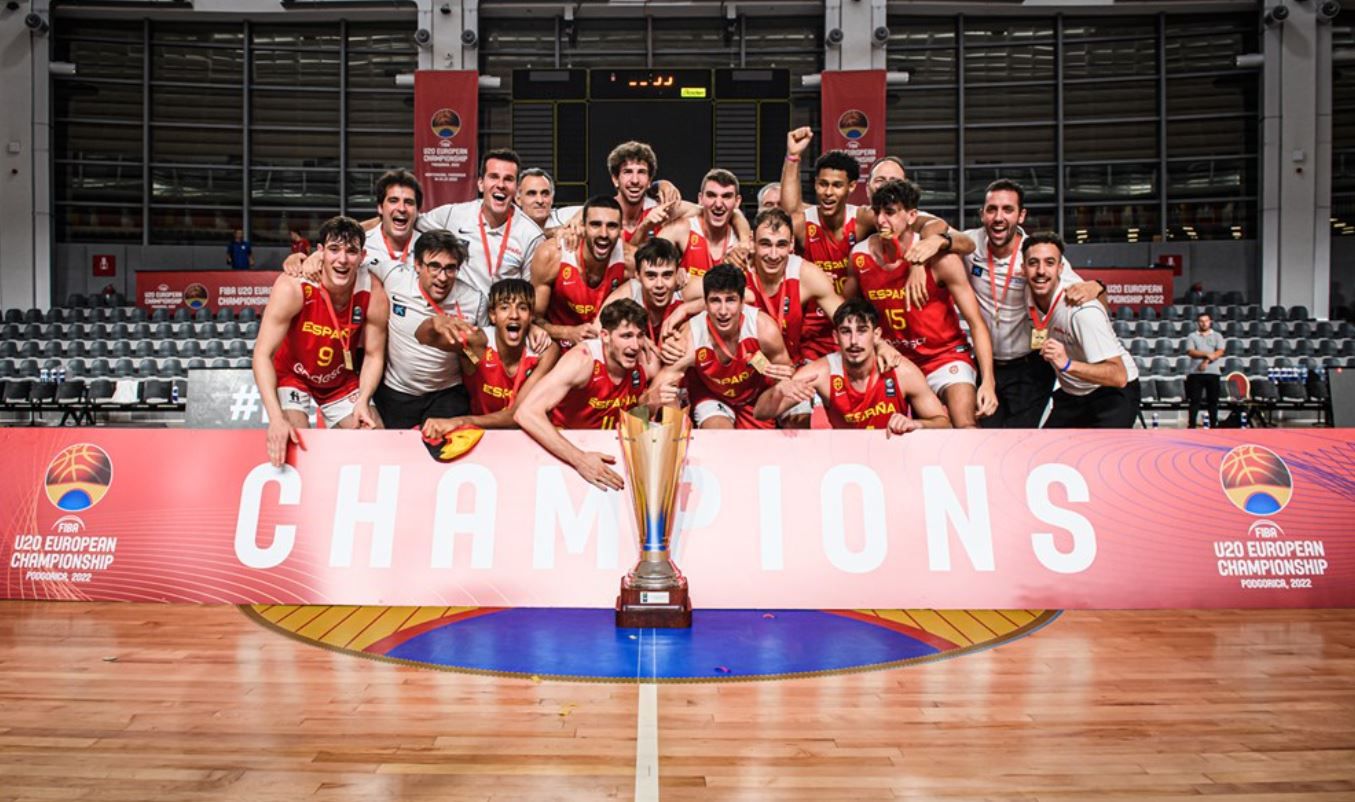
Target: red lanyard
870,383
497,265
724,250
341,330
391,251
464,340
720,341
771,305
900,248
1043,322
1011,271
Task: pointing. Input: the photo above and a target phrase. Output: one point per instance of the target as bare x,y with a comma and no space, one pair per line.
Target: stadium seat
144,349
1139,347
1147,390
77,301
159,316
184,331
1251,328
76,367
32,331
1174,312
170,368
1276,313
1317,388
53,349
1347,348
147,368
196,363
1282,362
1124,313
223,315
28,368
40,393
122,349
1263,390
1324,328
17,392
1257,366
1292,391
1234,347
9,349
100,367
11,331
76,332
1232,364
100,391
202,315
162,331
247,315
1171,391
218,364
1160,366
33,315
165,349
1300,329
1228,392
103,315
1327,348
30,349
124,368
214,348
1312,363
71,391
135,314
181,315
1281,347
1299,313
189,349
155,391
237,349
100,348
8,369
56,315
14,315
228,331
1148,313
1123,330
1345,329
1167,347
1303,348
242,362
142,331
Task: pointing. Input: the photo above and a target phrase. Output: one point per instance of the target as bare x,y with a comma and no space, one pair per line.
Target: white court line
647,725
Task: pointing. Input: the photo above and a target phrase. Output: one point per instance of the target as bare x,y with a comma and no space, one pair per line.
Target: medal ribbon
343,331
1043,322
390,251
495,266
720,341
1011,271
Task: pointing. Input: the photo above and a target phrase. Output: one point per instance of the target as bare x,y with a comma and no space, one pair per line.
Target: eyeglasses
438,267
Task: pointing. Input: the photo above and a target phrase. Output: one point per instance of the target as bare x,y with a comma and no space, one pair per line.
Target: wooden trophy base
661,609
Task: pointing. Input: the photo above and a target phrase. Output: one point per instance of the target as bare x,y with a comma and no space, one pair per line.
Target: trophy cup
654,446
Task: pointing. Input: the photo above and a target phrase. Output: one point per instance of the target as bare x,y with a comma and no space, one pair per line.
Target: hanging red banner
854,118
446,114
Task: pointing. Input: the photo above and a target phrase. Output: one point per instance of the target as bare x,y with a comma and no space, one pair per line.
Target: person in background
239,253
769,196
1205,348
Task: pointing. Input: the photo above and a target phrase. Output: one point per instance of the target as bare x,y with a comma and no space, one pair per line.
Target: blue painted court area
721,644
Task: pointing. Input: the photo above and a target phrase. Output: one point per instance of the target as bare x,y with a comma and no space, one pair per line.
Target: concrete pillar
25,159
1296,159
455,29
854,46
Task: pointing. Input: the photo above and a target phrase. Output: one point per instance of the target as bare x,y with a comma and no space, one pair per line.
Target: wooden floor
143,702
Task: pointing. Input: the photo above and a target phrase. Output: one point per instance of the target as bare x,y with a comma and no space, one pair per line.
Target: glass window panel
1343,171
271,226
74,27
990,31
1212,220
1010,145
172,104
317,148
1343,107
100,141
380,36
197,145
275,187
940,187
1038,182
378,70
380,151
1030,63
923,147
1222,137
194,185
1109,59
1131,222
1211,178
1095,182
1009,104
1343,216
206,33
1075,28
173,63
926,67
101,183
389,110
90,100
188,226
923,107
1216,94
302,68
102,59
307,37
362,191
1206,44
1108,141
101,223
318,110
1110,99
912,32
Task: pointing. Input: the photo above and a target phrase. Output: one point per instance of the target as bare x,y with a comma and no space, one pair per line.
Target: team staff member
422,382
592,386
498,363
1098,380
572,284
1024,380
769,196
502,238
855,392
389,245
1205,347
304,353
536,197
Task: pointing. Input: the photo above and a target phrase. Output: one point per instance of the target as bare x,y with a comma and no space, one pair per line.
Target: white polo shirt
380,261
1086,334
474,278
411,367
1007,320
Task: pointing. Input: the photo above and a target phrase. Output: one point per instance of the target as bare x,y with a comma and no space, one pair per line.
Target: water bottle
61,375
1242,418
174,393
44,376
1204,420
1154,420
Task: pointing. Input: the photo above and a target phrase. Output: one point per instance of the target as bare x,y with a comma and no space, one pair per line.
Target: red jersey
696,258
870,408
784,306
645,205
831,252
736,383
599,404
493,389
929,335
311,355
637,294
573,301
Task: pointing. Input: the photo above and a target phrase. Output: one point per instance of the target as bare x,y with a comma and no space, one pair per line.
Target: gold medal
1037,338
348,359
759,362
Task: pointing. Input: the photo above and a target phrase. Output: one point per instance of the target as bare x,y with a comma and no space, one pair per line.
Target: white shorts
711,408
303,402
957,372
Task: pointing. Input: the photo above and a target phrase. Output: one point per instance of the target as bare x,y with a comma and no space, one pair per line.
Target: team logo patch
954,368
78,477
357,314
703,354
635,379
307,290
195,296
1256,480
445,123
853,124
398,310
976,270
564,273
838,384
890,390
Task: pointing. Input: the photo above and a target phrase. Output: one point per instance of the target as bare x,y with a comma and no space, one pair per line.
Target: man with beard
655,286
707,238
1023,379
1098,380
633,166
593,384
498,363
304,353
855,392
502,237
571,285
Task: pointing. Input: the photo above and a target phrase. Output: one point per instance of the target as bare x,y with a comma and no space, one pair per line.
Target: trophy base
670,608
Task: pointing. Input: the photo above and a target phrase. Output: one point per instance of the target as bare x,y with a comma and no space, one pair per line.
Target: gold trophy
654,446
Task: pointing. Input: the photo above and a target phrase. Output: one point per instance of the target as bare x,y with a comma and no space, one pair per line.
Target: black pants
1207,385
1102,408
403,411
1023,388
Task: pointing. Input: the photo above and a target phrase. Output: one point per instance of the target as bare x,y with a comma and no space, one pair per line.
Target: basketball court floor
170,702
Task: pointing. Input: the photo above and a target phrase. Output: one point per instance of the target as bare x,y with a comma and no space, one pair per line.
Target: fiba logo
78,477
853,124
195,296
445,124
1256,480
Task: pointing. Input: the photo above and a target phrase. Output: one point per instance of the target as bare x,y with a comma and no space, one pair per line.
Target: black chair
1232,364
1300,329
100,367
1326,348
155,391
1123,330
182,315
247,315
228,331
1304,348
77,348
11,331
1166,347
100,348
145,349
220,364
1171,391
160,316
1281,347
143,331
8,369
124,368
30,349
17,392
1160,367
162,331
147,368
1139,347
223,315
1276,313
1317,388
56,315
1264,391
14,315
207,331
242,362
1324,329
77,301
189,349
132,314
202,315
171,368
76,367
1293,391
184,331
1299,313
28,368
33,315
32,331
237,349
165,349
101,391
71,391
122,349
196,363
1282,362
213,349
